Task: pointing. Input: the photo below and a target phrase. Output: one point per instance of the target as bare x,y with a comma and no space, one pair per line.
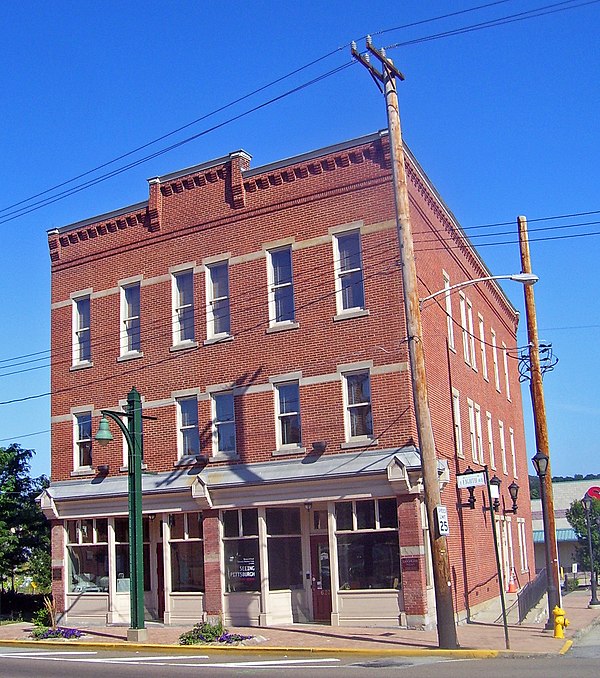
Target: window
484,369
490,433
522,534
183,307
505,361
457,425
472,429
511,439
502,447
82,345
349,286
82,434
495,360
130,319
87,551
287,409
240,548
473,362
217,300
357,404
464,326
187,424
223,423
284,548
281,288
367,544
122,561
187,552
478,433
448,302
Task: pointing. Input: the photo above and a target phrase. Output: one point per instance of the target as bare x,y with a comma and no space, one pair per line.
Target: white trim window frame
484,366
457,424
465,332
82,339
130,335
358,418
82,440
183,307
471,334
288,428
223,424
490,432
478,433
281,286
495,360
511,442
502,447
348,267
448,305
522,544
188,436
506,375
218,311
472,430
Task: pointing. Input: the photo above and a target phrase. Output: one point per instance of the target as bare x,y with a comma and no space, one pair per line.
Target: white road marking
153,659
45,653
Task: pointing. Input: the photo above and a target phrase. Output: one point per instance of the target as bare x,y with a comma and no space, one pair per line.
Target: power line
550,218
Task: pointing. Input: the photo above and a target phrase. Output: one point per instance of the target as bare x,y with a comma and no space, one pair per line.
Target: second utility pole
446,626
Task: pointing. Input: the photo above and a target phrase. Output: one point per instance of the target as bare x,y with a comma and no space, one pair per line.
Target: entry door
160,582
320,577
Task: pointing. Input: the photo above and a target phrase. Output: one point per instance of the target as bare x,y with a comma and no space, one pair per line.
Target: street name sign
470,480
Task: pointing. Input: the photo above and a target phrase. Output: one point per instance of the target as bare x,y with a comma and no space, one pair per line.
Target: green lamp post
133,435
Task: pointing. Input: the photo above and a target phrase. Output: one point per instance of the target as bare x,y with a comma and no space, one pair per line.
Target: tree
577,519
24,529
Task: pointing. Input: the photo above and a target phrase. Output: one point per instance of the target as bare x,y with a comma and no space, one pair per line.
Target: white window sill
81,366
282,327
130,356
83,471
125,468
183,345
224,456
452,348
288,449
363,441
351,313
218,339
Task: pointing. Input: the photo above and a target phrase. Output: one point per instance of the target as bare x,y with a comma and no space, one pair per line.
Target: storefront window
122,554
87,548
187,553
284,548
240,546
368,546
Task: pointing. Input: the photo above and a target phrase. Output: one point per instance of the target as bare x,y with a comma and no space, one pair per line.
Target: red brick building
259,314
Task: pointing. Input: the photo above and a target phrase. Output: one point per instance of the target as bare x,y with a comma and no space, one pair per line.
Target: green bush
42,617
205,632
572,585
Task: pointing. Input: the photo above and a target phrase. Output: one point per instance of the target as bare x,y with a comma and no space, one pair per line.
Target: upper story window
187,424
448,303
358,419
287,410
457,425
502,447
82,344
183,307
223,423
490,433
82,438
506,376
484,369
473,362
495,360
511,438
130,319
349,285
217,301
281,287
464,327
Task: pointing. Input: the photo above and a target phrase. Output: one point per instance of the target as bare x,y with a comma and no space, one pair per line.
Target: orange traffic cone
512,583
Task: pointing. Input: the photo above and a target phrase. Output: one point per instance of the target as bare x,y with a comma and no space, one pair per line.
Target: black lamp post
513,490
540,463
495,482
587,502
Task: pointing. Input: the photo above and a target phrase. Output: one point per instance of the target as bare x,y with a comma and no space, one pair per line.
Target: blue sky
504,121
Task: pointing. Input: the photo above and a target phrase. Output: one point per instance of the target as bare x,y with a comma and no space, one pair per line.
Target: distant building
259,313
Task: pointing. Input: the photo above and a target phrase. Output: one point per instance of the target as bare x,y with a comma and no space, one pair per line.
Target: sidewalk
476,639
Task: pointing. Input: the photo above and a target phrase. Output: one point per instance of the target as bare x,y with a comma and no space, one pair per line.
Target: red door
321,577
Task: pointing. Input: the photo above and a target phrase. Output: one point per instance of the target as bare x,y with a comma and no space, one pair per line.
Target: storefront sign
243,568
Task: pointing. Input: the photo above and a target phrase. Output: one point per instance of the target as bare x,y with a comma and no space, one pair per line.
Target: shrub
41,617
42,633
205,632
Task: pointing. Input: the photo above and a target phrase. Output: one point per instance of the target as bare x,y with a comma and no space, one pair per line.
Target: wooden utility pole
541,429
446,626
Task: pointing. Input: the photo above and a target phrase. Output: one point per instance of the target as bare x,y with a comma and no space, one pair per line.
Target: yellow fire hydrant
560,622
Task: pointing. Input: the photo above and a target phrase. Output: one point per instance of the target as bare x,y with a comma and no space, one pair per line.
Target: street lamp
523,278
133,435
587,502
540,463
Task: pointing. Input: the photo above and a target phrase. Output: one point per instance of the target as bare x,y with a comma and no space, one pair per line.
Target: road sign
470,480
441,513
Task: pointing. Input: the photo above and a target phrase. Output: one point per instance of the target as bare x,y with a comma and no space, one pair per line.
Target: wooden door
320,577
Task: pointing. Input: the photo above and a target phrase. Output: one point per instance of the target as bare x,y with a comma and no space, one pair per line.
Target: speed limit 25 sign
441,514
